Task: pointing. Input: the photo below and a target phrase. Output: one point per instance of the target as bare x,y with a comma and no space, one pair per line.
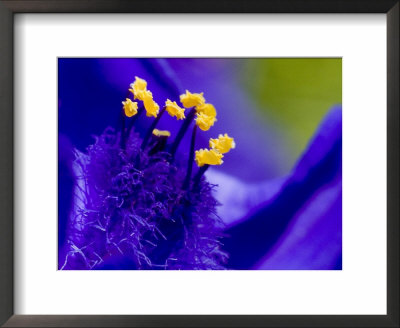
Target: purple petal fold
304,215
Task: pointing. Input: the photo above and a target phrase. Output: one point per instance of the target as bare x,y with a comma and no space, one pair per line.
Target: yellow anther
150,105
204,122
223,144
207,109
143,94
130,107
138,87
161,133
208,156
174,110
192,99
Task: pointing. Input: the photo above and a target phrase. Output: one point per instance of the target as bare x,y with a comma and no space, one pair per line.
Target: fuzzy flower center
137,203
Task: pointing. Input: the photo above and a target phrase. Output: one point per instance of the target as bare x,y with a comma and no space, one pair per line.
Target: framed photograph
205,164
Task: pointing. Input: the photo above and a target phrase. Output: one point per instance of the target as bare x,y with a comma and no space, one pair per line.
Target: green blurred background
294,93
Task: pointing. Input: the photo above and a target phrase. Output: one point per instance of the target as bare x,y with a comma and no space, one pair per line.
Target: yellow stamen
210,157
207,109
130,107
143,94
138,87
174,110
204,122
161,133
223,144
192,99
150,105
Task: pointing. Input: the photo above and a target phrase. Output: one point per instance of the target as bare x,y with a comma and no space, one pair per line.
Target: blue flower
292,222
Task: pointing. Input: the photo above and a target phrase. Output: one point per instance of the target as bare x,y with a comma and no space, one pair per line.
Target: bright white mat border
360,288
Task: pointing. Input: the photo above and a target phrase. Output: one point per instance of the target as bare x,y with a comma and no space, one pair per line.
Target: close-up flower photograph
199,163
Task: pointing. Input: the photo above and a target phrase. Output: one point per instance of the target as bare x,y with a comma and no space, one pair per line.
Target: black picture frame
10,7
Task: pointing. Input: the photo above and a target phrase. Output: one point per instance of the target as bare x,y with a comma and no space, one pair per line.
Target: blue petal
313,181
313,239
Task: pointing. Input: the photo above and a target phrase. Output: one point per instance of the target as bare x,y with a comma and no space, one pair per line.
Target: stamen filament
199,174
159,146
191,159
182,132
152,127
132,121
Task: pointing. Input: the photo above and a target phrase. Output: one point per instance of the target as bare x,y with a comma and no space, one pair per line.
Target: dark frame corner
10,7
